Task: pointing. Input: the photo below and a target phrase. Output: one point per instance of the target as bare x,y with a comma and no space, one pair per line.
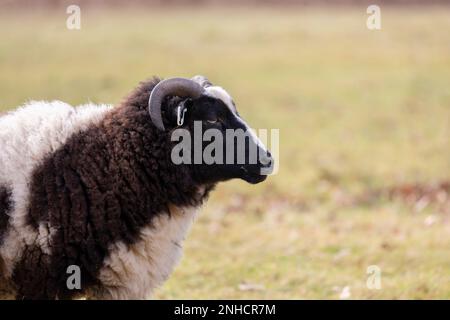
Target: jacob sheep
95,187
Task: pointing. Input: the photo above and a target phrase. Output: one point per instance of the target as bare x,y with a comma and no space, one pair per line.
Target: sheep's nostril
267,160
269,163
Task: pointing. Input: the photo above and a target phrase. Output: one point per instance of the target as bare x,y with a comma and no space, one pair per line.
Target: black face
227,150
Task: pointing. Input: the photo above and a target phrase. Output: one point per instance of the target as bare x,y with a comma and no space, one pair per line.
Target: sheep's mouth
251,176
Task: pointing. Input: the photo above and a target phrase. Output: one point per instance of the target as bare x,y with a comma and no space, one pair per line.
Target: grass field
364,119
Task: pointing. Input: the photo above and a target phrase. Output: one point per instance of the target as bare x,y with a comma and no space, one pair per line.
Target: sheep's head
202,110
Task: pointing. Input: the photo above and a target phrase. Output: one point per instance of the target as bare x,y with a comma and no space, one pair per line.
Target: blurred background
364,119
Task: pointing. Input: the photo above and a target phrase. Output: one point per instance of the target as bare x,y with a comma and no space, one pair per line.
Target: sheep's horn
180,87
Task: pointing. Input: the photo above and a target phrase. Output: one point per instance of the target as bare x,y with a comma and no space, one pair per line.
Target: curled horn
180,87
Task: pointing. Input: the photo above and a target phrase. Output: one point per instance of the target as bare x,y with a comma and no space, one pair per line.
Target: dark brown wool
104,185
5,206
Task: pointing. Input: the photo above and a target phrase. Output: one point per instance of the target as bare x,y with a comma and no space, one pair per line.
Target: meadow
364,119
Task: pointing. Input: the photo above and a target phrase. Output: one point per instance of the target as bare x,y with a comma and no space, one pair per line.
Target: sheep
95,187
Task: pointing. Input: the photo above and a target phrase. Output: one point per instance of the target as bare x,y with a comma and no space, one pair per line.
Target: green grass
357,110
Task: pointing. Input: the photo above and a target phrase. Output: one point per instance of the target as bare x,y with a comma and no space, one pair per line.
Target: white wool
134,271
